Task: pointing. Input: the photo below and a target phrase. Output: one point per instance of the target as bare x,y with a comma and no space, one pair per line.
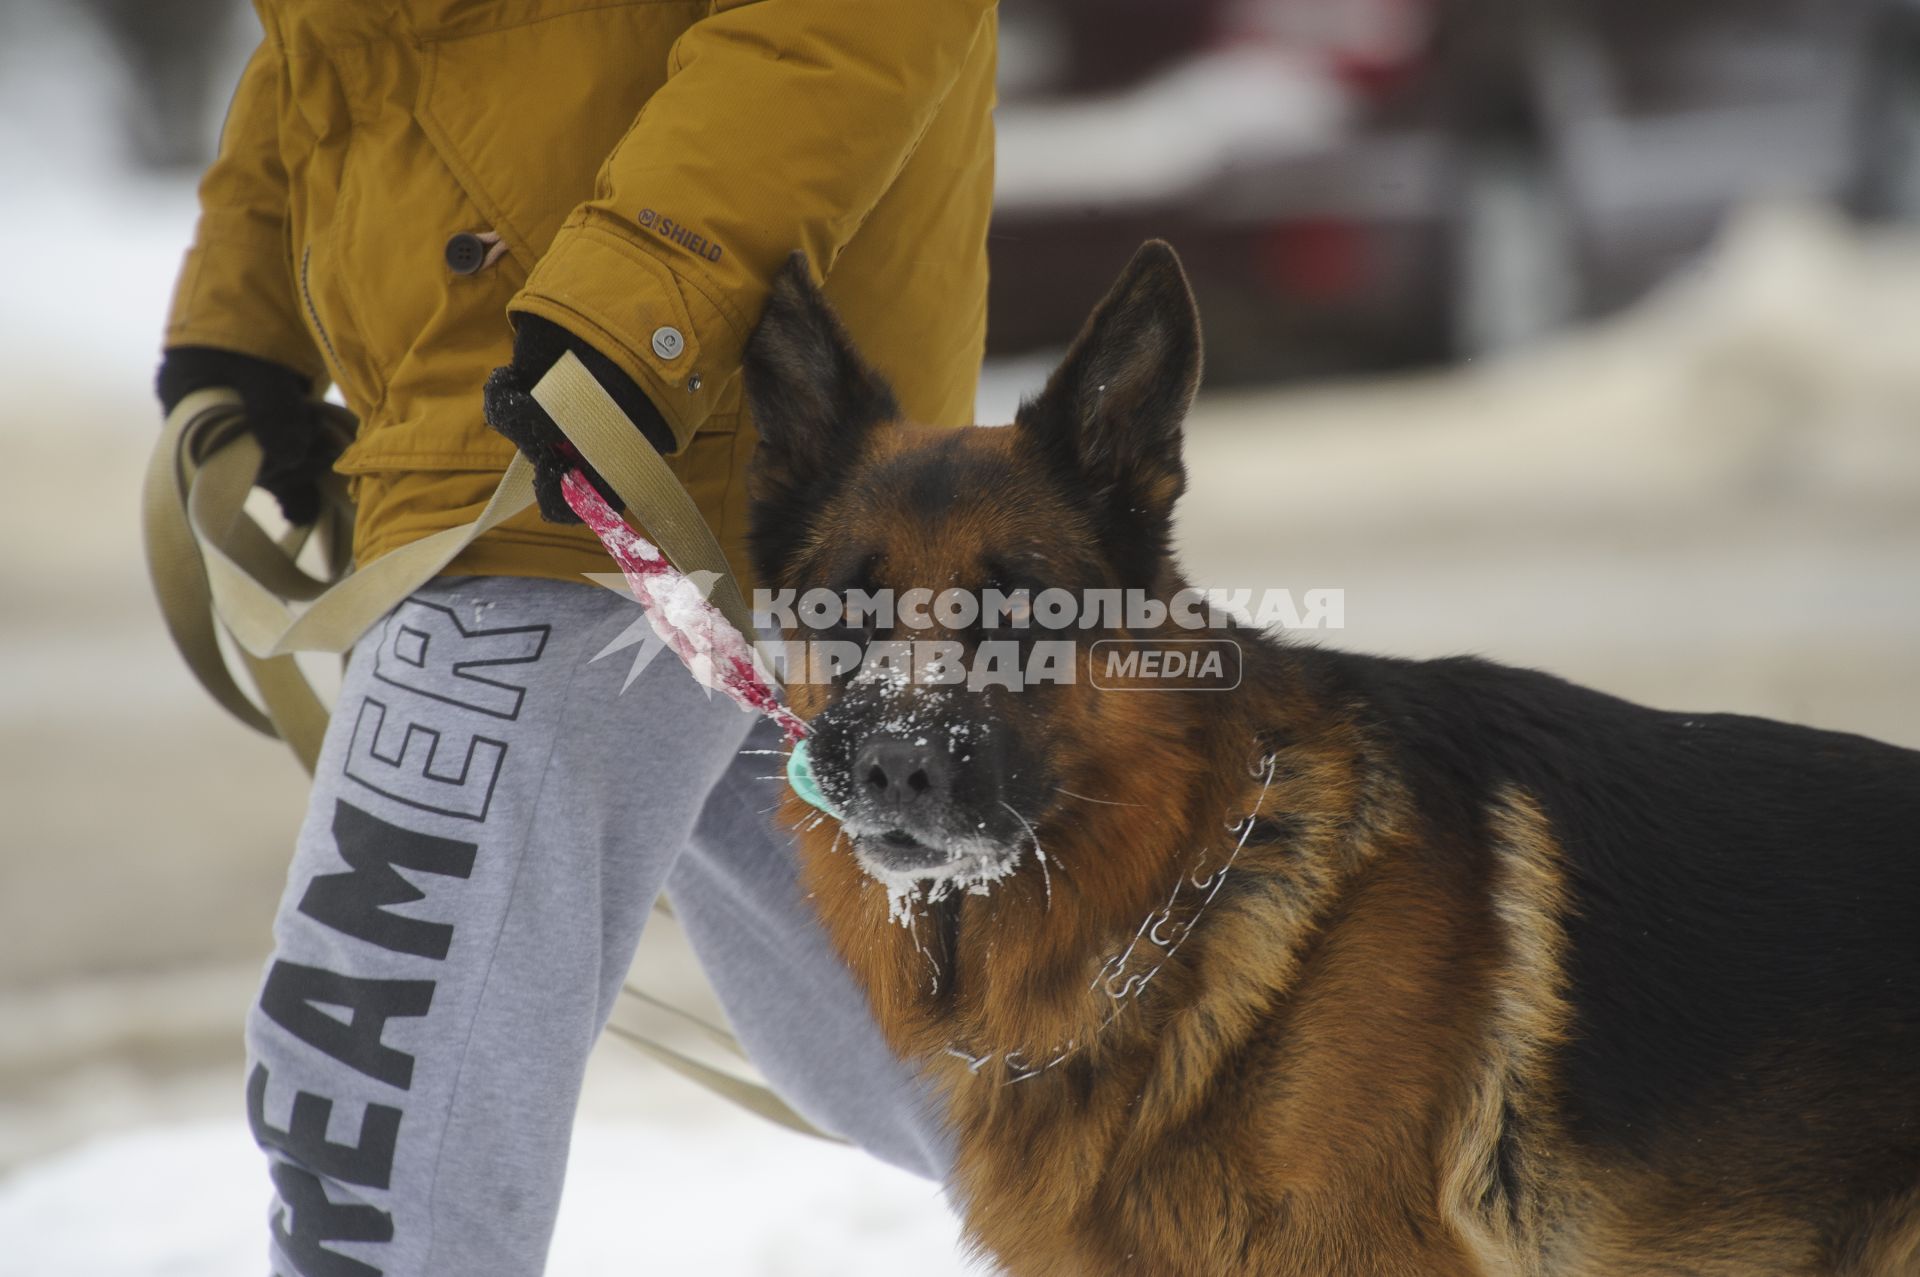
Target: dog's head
938,780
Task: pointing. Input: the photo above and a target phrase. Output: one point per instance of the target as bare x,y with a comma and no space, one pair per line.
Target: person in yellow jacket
424,203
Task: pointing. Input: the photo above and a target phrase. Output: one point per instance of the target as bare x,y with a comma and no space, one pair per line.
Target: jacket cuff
661,323
185,369
236,292
538,343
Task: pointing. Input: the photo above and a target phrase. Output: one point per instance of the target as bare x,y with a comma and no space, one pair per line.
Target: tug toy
800,776
696,630
718,655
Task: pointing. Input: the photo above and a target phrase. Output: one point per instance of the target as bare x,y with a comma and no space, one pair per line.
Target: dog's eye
860,632
860,620
1003,605
1006,619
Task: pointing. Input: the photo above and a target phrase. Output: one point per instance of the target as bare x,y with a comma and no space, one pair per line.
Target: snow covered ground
124,1152
714,1198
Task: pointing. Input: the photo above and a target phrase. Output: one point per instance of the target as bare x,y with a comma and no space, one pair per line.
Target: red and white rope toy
718,655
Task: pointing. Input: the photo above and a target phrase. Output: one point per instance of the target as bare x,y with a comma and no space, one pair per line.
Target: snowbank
190,1201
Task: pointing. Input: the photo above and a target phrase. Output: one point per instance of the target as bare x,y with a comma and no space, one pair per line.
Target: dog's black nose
897,775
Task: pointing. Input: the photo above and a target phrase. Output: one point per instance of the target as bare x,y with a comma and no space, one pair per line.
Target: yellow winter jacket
648,164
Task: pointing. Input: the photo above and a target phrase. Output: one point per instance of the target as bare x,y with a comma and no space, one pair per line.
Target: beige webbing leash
214,569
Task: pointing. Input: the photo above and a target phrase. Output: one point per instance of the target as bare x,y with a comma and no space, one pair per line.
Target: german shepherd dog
1370,966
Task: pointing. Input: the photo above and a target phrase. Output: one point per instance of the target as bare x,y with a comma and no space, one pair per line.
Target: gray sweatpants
491,820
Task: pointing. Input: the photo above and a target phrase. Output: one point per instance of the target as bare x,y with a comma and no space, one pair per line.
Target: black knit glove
537,346
281,414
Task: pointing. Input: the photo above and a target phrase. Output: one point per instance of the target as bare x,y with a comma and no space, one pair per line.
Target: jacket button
466,253
667,342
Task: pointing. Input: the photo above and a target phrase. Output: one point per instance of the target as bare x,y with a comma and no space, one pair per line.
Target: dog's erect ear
811,395
1111,413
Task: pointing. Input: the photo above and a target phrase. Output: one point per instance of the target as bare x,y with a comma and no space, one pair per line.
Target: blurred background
1582,334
